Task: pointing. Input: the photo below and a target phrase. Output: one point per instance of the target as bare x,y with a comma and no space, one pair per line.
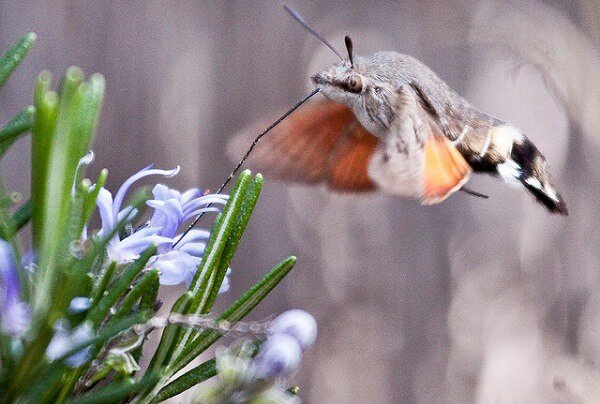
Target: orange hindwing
444,170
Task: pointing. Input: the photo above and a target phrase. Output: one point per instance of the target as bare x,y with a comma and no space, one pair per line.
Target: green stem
169,336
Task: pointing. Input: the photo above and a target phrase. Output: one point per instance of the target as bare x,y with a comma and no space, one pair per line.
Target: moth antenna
252,146
310,29
348,42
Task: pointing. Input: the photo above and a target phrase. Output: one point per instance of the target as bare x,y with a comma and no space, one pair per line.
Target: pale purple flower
262,378
288,335
298,324
171,209
15,315
79,304
278,357
175,267
111,214
65,339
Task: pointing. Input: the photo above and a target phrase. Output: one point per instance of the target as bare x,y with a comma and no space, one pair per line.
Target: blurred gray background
468,301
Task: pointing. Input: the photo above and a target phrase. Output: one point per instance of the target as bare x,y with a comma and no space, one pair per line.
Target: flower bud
79,304
279,356
298,324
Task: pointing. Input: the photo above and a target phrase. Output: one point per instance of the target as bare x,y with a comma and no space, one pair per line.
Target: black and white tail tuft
527,166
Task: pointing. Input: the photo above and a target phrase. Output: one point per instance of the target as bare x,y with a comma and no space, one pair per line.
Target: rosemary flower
177,260
65,339
15,315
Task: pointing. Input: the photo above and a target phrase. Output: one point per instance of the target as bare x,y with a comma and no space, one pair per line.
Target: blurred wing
320,142
348,164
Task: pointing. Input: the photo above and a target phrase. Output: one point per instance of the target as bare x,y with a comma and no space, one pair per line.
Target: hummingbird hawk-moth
388,123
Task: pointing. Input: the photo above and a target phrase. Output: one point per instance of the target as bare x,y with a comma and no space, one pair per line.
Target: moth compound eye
354,84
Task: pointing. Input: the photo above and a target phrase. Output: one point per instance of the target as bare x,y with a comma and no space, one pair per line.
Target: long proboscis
243,159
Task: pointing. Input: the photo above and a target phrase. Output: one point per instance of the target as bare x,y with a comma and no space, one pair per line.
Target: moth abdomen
516,160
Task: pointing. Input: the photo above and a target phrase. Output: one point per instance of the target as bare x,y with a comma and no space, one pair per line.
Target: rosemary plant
78,305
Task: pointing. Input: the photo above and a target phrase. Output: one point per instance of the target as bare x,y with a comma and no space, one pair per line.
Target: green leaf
42,133
105,278
62,138
6,228
90,97
100,310
90,200
150,294
73,282
11,59
189,379
147,303
148,283
41,389
169,336
20,124
22,216
239,227
116,393
205,275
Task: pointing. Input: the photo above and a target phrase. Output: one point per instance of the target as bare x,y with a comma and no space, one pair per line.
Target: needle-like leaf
188,380
20,124
13,57
22,216
169,335
234,239
236,311
99,311
115,393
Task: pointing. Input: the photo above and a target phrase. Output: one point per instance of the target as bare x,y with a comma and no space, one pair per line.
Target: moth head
364,84
340,81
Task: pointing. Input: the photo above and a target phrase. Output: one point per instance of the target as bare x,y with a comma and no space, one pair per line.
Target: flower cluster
289,335
15,314
175,263
178,257
250,376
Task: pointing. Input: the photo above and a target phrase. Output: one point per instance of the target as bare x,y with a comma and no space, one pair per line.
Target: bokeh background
468,301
